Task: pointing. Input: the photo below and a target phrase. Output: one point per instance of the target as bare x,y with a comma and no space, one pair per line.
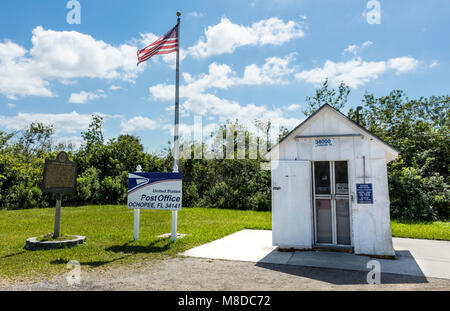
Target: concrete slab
425,258
432,257
245,245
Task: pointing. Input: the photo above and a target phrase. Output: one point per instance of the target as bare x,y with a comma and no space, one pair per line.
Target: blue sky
240,59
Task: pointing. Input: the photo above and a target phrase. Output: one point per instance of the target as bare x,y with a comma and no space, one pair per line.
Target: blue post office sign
323,142
364,193
162,191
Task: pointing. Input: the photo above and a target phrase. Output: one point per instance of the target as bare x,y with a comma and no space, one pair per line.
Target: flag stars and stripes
164,45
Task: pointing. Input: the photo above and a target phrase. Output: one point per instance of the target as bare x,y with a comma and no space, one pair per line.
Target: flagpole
177,99
177,120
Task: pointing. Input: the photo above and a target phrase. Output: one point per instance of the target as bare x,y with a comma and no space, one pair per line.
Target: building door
291,204
331,203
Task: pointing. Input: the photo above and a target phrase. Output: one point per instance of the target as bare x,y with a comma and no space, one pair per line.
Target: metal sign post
137,214
57,227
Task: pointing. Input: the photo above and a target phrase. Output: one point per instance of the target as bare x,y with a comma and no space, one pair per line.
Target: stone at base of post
57,227
174,225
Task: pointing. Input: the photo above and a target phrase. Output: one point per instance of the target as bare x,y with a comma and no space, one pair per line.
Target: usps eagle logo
135,181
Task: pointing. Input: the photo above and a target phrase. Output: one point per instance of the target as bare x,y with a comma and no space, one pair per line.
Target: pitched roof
364,130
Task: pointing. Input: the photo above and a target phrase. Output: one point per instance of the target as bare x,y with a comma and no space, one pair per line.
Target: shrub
88,187
23,196
112,190
409,199
438,193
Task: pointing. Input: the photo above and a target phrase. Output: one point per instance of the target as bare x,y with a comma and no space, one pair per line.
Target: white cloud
10,105
61,55
65,122
68,82
138,124
293,107
226,37
355,49
70,54
273,71
434,63
10,51
195,14
163,92
221,76
115,87
198,101
18,74
356,72
352,49
83,97
75,141
68,123
402,64
187,132
367,43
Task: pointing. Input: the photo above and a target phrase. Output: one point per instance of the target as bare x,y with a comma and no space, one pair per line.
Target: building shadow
153,247
92,264
346,276
14,254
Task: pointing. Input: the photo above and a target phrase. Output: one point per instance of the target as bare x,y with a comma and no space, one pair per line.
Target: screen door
331,203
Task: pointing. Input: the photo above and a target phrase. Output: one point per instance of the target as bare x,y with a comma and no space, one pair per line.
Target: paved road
253,264
189,274
414,257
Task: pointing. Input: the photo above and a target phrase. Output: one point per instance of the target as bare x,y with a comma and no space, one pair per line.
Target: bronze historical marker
60,175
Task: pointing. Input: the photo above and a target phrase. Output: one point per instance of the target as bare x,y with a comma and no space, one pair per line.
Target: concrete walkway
424,258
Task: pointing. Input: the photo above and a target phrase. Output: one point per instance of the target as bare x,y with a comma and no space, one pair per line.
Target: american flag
164,45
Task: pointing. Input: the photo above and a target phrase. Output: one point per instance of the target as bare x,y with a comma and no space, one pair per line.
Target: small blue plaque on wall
323,142
364,193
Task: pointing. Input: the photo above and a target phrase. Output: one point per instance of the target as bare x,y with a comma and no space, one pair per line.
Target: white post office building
330,187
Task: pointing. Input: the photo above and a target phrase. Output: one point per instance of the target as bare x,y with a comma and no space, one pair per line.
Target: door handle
276,188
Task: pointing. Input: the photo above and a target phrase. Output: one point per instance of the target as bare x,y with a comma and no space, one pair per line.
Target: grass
437,230
109,236
109,233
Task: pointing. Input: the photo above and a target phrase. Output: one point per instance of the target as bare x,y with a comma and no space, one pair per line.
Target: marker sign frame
60,175
160,191
364,193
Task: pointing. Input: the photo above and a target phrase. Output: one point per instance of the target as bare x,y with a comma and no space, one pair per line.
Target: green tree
21,166
324,95
419,129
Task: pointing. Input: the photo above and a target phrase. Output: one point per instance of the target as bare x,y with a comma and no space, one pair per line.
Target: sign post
57,227
137,214
60,176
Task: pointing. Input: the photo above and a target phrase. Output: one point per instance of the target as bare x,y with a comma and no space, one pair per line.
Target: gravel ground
191,274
